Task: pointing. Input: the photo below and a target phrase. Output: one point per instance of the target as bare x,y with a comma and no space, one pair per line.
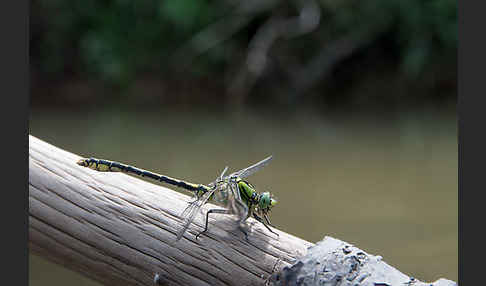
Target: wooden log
121,230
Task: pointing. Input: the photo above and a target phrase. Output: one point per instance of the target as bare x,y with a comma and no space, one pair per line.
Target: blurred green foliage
119,40
111,39
419,30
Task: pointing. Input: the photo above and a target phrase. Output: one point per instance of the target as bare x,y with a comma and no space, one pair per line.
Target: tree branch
120,230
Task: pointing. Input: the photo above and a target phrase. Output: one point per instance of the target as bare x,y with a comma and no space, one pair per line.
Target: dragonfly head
266,201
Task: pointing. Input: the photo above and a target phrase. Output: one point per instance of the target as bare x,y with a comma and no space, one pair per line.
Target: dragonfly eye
265,201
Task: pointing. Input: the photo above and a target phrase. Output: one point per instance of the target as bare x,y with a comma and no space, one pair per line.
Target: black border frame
470,118
14,26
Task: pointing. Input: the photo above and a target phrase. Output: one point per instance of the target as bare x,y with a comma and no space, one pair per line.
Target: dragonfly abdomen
112,166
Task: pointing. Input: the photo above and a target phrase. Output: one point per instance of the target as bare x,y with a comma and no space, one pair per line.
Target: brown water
387,184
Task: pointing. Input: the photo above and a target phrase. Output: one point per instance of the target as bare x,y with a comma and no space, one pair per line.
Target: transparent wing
234,189
222,173
219,179
235,203
252,169
190,212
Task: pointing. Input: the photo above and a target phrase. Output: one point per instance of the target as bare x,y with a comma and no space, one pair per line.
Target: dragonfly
238,196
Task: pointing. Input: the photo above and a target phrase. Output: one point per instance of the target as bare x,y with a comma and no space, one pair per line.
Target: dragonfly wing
235,190
235,203
222,173
252,169
219,179
188,209
190,212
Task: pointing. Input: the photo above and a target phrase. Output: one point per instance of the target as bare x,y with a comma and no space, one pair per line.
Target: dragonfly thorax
251,197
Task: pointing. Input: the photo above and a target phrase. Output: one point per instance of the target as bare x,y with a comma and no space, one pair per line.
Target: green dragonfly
237,196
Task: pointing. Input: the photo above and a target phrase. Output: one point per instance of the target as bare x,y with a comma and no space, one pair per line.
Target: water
386,183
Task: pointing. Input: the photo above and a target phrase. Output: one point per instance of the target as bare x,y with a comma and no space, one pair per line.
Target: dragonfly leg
216,211
268,220
258,218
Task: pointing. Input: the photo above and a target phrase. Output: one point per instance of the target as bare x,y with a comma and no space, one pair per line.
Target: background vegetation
245,52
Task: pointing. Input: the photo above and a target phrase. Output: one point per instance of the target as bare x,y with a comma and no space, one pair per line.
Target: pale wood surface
120,230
